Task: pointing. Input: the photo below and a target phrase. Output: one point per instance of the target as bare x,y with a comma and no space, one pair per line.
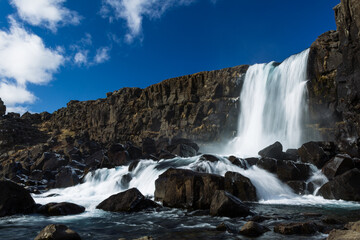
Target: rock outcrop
57,232
334,73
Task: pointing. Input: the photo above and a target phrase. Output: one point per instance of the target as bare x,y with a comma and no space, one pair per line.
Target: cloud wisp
24,59
46,13
133,12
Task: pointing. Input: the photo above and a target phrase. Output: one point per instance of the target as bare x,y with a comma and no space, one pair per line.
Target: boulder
117,156
57,232
345,186
226,205
269,164
253,229
240,186
66,177
182,188
209,158
60,209
312,152
299,187
338,165
237,161
301,228
129,201
133,165
49,161
273,151
292,171
148,146
337,234
184,150
14,199
188,142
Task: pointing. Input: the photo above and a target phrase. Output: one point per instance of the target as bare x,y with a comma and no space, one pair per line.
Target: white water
272,106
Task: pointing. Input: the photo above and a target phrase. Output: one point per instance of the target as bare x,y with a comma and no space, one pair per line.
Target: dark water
171,223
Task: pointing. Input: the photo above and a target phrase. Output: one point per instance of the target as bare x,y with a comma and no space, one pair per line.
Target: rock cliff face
201,107
334,73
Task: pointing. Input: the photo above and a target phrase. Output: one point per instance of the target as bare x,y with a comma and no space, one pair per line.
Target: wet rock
14,199
269,164
148,146
129,201
117,156
188,142
133,165
253,229
60,209
209,158
330,220
237,161
164,154
66,177
259,218
291,171
222,227
303,228
345,186
94,160
272,151
226,205
183,188
57,232
49,161
184,150
252,161
240,186
299,187
134,152
337,234
338,165
311,152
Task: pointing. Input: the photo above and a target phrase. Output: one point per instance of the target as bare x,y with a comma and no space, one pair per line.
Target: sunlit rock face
334,74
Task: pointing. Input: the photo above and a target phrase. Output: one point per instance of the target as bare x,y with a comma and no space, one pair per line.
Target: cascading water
272,105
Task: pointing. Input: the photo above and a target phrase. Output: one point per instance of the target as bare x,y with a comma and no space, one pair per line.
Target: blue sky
54,51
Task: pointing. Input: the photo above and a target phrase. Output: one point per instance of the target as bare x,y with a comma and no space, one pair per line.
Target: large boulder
183,188
292,171
226,205
345,186
273,151
253,229
337,166
66,177
312,152
129,201
14,199
57,232
60,209
240,186
117,156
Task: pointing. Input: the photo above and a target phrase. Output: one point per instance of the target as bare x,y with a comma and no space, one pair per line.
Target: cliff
334,74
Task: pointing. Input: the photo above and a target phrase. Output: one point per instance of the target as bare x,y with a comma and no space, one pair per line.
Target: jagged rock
135,153
57,232
240,186
183,188
311,152
226,205
60,209
345,186
290,171
237,161
354,226
133,165
338,165
14,199
252,161
269,164
299,187
184,150
117,156
302,228
253,229
2,108
129,201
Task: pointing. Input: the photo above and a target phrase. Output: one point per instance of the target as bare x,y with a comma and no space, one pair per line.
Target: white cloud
81,57
46,13
133,12
102,55
24,59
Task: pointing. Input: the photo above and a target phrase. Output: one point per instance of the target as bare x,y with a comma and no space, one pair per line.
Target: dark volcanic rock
345,186
60,209
2,108
57,232
225,204
129,201
340,164
240,186
66,177
187,189
209,158
253,229
273,151
297,228
312,152
14,199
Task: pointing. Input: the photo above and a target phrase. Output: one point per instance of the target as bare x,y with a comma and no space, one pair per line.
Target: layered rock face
202,107
334,73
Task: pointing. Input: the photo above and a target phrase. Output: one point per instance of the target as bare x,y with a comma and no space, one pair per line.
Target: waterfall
272,105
